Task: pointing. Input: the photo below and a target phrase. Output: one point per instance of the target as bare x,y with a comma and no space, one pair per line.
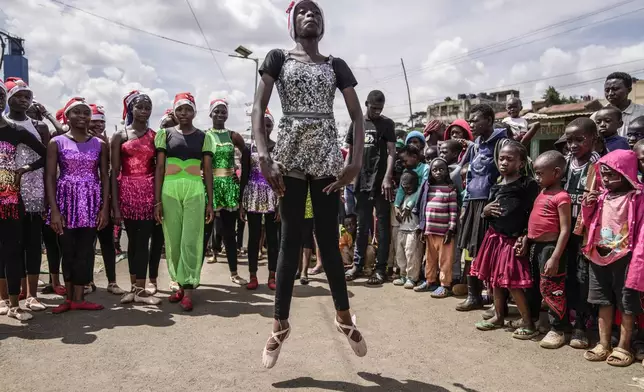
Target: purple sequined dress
258,195
78,191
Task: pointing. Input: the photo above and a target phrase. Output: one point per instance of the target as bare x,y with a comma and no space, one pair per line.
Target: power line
465,57
133,28
207,44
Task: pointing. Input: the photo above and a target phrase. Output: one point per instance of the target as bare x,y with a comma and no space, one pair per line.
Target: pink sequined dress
136,181
78,190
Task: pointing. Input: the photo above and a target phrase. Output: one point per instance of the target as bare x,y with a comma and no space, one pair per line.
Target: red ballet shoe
253,284
186,304
85,305
22,296
62,308
60,290
177,296
271,284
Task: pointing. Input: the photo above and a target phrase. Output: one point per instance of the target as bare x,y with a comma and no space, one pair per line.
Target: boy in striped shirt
438,210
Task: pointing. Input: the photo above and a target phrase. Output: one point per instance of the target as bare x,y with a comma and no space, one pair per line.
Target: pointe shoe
128,297
269,358
4,307
359,348
115,289
19,314
151,288
145,298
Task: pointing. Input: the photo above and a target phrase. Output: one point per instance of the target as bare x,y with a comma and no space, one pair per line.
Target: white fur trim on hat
18,87
75,104
215,103
182,102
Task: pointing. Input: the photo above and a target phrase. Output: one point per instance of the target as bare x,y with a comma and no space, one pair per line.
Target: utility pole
408,92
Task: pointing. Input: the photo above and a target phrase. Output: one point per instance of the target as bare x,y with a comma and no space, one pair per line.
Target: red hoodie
461,123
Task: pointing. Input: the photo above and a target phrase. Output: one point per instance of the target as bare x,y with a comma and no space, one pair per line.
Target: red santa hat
75,102
13,85
127,100
291,17
217,102
98,112
269,115
184,99
62,118
165,116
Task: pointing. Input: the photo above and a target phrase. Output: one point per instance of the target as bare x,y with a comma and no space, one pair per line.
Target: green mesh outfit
224,187
184,202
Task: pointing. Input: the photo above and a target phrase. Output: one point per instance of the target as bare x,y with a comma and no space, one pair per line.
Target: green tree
552,96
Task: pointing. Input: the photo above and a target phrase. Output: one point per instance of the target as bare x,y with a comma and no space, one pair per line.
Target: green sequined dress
225,188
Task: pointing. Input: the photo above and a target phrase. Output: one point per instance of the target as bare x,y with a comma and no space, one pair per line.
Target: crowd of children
559,234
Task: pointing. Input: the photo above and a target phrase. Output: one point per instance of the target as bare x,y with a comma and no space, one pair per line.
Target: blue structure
15,63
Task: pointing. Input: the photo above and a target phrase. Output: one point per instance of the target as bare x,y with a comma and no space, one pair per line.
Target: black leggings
156,248
108,252
228,220
12,266
325,212
52,246
32,227
139,233
78,255
241,225
255,234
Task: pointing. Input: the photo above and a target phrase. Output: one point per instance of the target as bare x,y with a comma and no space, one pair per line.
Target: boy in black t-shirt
373,187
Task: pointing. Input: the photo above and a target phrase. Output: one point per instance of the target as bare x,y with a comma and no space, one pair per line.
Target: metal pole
256,74
408,93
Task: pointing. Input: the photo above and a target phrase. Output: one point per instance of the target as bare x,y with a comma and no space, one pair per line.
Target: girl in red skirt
498,262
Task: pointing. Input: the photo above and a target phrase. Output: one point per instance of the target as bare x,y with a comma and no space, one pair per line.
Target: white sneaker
4,307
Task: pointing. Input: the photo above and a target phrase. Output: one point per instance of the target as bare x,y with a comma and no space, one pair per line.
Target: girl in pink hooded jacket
616,250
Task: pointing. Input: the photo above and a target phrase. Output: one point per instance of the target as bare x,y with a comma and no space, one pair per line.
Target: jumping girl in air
133,158
307,155
180,198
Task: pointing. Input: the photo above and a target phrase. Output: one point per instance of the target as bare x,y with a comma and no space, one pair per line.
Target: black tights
32,225
156,248
255,234
11,254
325,212
228,220
54,253
78,255
108,252
139,233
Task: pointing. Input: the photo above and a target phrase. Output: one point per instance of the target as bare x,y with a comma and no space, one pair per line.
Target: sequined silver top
32,185
308,138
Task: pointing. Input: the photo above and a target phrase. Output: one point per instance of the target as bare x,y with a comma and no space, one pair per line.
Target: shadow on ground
382,384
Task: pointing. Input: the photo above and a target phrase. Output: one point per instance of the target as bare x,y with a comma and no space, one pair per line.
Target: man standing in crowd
373,186
616,89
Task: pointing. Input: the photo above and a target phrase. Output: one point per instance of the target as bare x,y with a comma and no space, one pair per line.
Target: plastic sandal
269,358
487,326
19,314
359,348
598,354
441,292
524,333
620,358
34,305
304,280
579,340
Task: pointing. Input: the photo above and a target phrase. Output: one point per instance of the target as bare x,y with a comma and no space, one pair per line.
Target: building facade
452,109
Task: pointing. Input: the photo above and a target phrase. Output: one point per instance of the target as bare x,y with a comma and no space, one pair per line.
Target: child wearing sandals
615,249
438,209
548,232
498,262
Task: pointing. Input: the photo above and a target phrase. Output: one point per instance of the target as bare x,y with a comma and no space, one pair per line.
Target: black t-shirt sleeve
272,64
344,76
349,138
389,131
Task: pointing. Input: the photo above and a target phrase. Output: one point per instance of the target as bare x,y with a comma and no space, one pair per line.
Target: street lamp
244,54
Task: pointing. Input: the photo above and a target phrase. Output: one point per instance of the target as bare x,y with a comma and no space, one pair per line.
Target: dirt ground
415,344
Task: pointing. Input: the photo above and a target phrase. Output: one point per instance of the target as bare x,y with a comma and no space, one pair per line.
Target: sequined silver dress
32,184
307,135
